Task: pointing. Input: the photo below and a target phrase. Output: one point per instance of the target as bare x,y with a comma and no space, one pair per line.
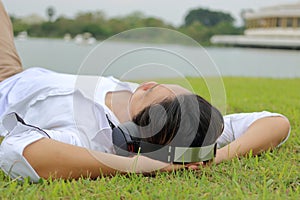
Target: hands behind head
189,166
194,166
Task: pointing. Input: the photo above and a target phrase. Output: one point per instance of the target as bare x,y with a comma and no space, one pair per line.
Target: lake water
67,57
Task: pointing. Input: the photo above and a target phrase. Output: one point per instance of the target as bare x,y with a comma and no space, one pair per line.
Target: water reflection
63,56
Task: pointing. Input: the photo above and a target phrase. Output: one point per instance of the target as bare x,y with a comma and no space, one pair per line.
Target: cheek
134,104
165,94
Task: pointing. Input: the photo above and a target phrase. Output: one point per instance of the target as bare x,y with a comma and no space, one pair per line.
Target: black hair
186,120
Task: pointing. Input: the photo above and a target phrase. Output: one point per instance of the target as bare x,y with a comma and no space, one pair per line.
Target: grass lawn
273,175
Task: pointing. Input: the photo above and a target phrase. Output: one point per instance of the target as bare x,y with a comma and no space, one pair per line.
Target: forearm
136,164
54,159
263,134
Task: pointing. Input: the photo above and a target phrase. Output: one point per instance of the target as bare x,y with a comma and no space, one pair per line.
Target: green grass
273,175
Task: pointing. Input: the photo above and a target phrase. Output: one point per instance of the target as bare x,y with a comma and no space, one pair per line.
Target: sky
171,11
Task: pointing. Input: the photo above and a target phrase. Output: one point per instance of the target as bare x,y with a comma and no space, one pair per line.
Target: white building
274,27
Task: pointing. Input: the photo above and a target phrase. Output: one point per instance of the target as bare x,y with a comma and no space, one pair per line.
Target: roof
284,10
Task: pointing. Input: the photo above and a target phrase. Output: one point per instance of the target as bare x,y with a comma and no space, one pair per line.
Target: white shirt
63,105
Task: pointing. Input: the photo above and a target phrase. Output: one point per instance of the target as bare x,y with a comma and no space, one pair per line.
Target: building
272,27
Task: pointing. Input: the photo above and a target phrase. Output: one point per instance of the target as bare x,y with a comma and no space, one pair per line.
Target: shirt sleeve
12,161
19,136
236,125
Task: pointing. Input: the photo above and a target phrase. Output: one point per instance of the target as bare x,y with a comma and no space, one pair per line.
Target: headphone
127,142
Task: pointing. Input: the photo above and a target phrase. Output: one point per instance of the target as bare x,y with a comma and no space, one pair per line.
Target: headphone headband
126,140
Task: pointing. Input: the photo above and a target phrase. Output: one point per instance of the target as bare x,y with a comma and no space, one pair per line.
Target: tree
50,13
207,18
198,32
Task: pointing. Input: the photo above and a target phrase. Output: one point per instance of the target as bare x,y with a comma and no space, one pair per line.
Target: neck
118,103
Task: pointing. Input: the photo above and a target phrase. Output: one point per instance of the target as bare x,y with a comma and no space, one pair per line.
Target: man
67,133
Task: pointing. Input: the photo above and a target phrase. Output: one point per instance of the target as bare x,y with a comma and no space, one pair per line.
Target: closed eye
150,90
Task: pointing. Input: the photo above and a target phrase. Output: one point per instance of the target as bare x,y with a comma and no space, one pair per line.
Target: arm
54,159
262,135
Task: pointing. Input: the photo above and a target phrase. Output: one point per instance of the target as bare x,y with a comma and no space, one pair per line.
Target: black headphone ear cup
131,129
123,143
124,137
215,150
119,139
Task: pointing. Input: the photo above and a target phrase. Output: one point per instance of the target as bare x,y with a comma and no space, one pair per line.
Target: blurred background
243,38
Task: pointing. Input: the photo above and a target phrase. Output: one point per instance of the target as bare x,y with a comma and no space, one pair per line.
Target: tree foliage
199,28
207,17
19,25
50,13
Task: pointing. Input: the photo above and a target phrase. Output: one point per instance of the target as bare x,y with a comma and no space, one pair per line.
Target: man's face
151,92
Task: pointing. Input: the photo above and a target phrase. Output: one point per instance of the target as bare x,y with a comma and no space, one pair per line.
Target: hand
220,155
190,166
172,167
194,166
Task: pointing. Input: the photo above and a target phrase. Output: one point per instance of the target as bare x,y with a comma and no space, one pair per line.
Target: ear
147,85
